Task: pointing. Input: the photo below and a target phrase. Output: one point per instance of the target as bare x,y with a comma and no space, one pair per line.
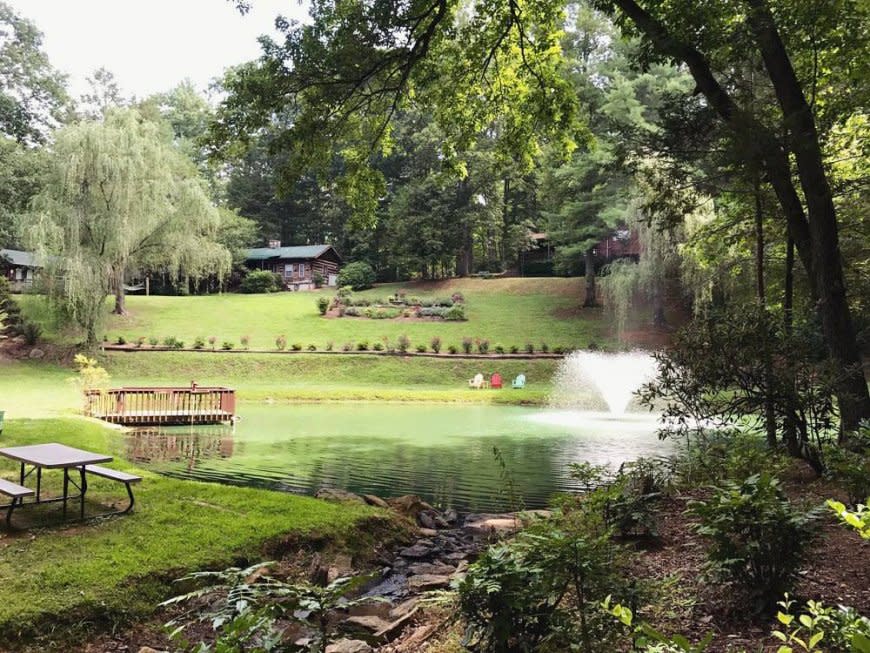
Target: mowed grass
512,311
119,568
31,389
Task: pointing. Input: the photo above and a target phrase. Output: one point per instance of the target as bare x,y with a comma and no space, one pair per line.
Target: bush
457,298
421,349
362,345
455,313
452,349
330,345
245,340
31,332
515,349
530,348
226,345
482,346
312,347
403,343
281,343
353,311
323,305
212,340
499,349
120,341
140,341
199,342
153,341
378,346
757,539
261,281
296,346
850,466
432,311
467,344
348,346
173,342
318,279
435,343
359,275
544,347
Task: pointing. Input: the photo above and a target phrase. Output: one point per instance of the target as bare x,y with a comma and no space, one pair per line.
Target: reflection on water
441,452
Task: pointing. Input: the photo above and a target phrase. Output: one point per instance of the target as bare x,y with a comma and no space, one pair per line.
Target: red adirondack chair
495,381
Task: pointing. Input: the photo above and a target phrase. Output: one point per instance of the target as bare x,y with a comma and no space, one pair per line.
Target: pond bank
97,575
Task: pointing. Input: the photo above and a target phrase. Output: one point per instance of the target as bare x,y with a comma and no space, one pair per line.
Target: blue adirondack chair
519,382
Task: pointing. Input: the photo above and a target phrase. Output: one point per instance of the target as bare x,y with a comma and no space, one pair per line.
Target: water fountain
586,378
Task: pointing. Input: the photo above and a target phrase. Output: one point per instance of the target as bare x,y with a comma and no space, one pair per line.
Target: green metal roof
301,251
19,258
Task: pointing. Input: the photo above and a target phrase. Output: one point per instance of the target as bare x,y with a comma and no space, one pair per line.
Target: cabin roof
18,258
297,252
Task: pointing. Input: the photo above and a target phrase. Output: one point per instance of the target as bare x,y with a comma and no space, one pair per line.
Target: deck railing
160,405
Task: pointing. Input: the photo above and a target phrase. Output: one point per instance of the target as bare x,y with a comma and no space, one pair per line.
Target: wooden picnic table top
54,455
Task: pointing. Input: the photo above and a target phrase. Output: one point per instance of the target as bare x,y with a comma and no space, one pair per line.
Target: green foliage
818,628
31,331
849,464
322,305
647,639
281,343
227,345
757,538
199,343
542,591
455,313
435,344
859,519
260,281
359,275
482,345
403,343
245,341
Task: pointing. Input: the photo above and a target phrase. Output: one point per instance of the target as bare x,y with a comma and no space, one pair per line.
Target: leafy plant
757,539
455,313
211,341
850,465
362,345
330,345
467,344
140,341
499,349
544,348
281,343
153,341
515,349
452,349
227,345
359,275
482,346
261,281
530,348
296,346
647,639
435,343
819,628
421,348
403,343
199,342
245,341
312,347
322,305
859,519
378,346
121,340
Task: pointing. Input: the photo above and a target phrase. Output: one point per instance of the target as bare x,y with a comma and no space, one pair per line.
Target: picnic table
58,456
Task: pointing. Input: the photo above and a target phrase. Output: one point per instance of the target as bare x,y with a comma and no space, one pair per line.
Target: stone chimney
274,244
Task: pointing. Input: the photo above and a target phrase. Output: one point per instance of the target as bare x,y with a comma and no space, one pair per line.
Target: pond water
443,452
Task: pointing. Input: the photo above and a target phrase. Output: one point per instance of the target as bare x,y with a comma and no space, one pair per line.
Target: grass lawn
512,311
119,568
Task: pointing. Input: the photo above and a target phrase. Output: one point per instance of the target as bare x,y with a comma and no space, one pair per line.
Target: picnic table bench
16,493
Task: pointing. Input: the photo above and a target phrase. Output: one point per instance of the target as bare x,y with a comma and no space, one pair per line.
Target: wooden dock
156,406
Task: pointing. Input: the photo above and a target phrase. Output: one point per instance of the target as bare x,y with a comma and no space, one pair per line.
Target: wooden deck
149,406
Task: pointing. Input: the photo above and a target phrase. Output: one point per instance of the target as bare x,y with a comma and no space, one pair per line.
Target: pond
443,452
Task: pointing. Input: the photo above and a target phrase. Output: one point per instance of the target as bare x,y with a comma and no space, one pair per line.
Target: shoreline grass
117,569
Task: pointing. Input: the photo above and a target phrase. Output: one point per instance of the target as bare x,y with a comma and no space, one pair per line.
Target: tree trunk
789,427
852,394
120,292
769,408
591,299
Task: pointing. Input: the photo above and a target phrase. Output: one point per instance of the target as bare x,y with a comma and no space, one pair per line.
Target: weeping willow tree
118,198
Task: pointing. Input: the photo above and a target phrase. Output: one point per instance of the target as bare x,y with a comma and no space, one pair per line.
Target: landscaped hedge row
402,344
395,306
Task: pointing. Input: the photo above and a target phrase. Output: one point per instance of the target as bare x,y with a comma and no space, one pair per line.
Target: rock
409,505
148,649
456,556
391,631
341,566
36,353
349,646
424,582
370,622
373,500
434,568
420,635
428,532
427,520
334,494
486,524
419,550
404,608
450,516
462,567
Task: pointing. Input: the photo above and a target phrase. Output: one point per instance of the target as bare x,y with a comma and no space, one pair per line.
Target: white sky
151,45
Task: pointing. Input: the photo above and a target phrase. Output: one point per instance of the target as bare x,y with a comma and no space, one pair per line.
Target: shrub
378,346
515,349
348,346
559,350
140,341
212,340
199,342
296,346
330,345
343,294
323,305
499,349
443,301
482,346
837,629
31,332
281,343
435,343
312,347
530,348
455,313
173,342
544,347
432,311
362,345
121,340
403,343
457,298
850,466
245,340
260,281
226,345
353,311
421,349
359,275
757,539
452,349
153,341
318,279
467,344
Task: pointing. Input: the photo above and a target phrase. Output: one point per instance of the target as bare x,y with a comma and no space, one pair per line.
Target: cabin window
288,270
302,270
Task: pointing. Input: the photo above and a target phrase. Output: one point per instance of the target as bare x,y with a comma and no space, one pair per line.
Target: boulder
418,550
404,608
409,505
433,568
36,353
373,500
341,566
348,646
148,649
424,582
486,524
370,622
335,494
392,630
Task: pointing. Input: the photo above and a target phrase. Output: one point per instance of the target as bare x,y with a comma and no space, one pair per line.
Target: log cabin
299,266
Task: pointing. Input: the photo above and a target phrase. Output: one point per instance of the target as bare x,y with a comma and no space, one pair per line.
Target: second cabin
301,267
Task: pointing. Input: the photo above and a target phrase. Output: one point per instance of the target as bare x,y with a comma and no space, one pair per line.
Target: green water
442,452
